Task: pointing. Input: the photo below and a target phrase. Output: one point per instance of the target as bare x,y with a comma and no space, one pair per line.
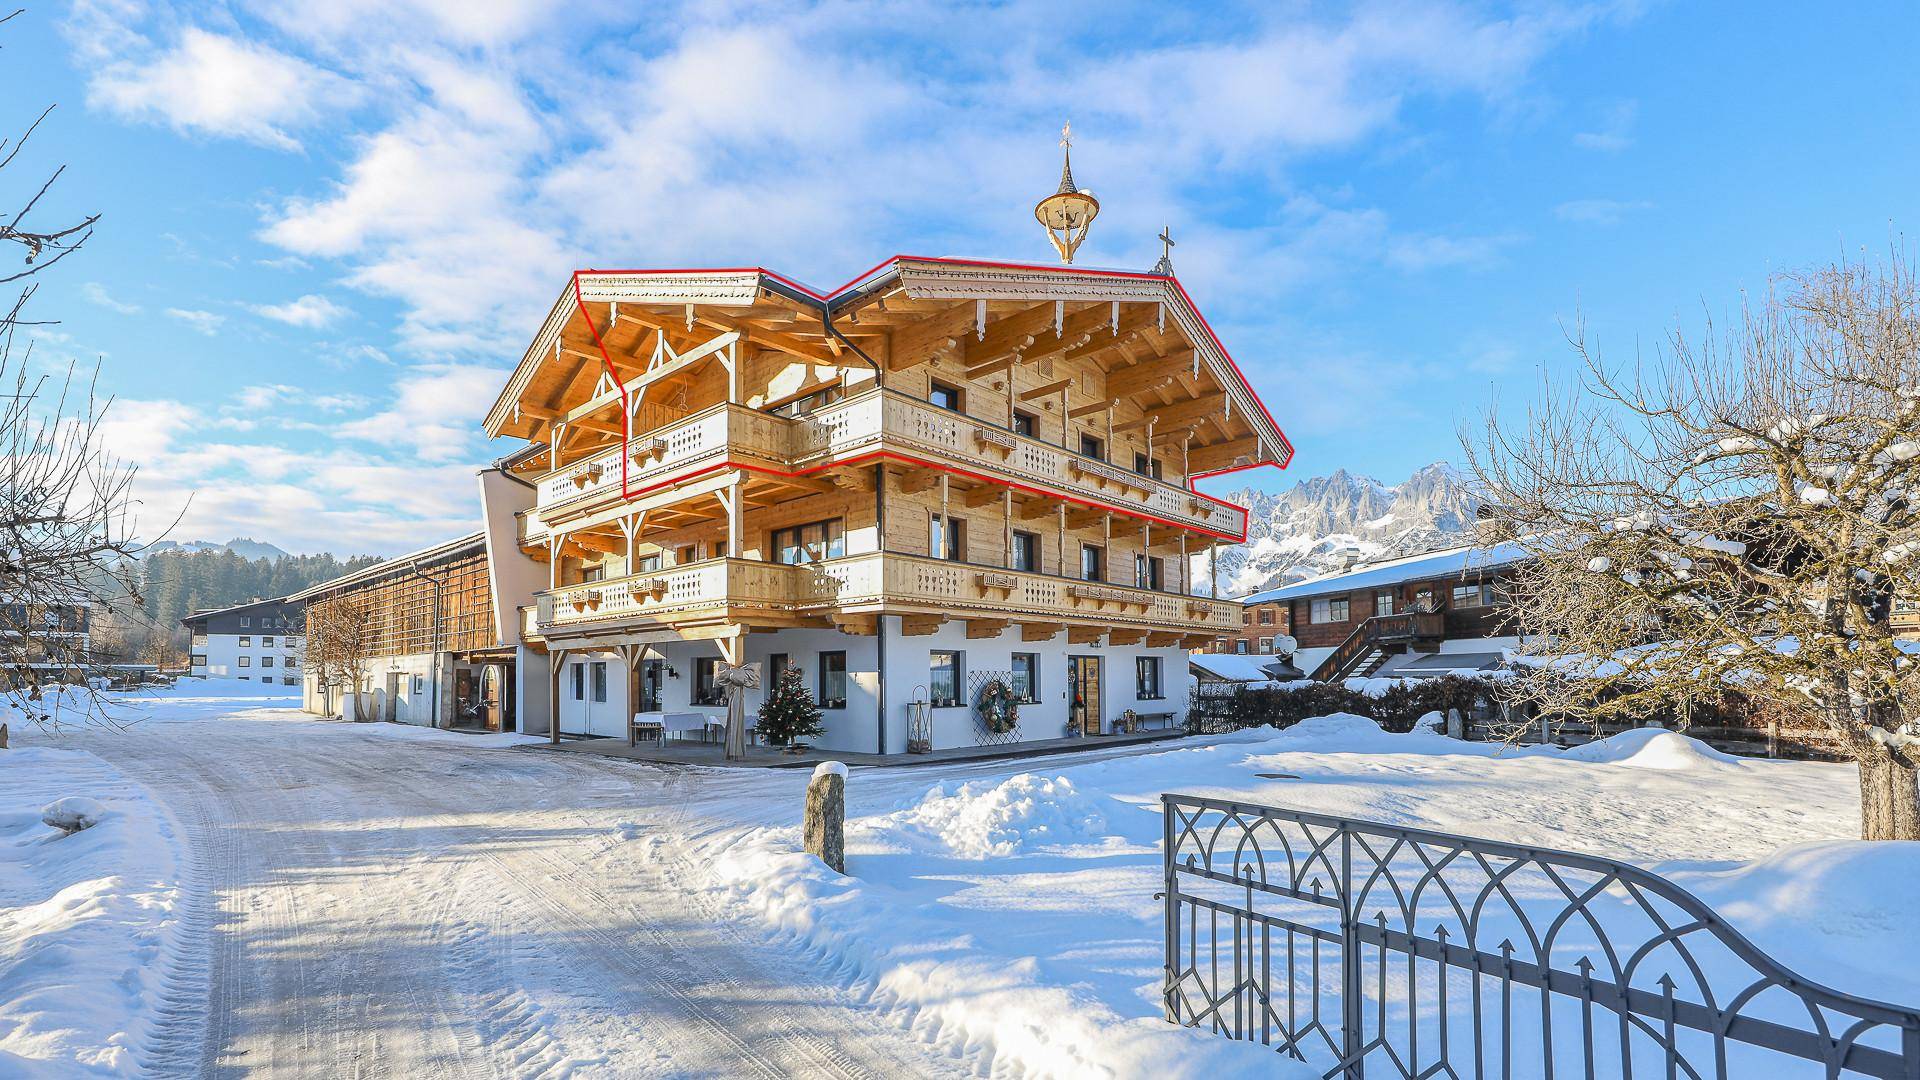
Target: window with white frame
1328,610
945,672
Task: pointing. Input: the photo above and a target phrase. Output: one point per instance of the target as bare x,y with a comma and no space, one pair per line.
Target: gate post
1171,890
1350,1011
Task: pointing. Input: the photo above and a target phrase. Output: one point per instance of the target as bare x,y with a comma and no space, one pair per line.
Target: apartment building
258,641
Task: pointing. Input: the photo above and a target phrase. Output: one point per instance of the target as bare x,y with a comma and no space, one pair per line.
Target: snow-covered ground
94,933
1014,915
374,898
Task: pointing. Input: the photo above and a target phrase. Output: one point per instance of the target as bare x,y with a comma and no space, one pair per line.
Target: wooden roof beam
1223,455
1046,389
1149,374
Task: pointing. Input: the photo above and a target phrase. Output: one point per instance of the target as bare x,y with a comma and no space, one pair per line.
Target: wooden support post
1006,529
631,654
1106,544
556,665
946,521
732,497
1060,542
1213,569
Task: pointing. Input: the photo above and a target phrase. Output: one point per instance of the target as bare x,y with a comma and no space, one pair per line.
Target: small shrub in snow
73,813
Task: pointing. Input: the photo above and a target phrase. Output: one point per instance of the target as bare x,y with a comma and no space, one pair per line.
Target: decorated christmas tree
788,714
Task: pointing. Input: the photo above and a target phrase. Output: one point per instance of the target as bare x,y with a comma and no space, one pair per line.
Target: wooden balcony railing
703,589
711,434
875,419
734,589
888,419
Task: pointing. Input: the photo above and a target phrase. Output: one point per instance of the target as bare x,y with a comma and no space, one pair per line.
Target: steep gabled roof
1450,562
918,277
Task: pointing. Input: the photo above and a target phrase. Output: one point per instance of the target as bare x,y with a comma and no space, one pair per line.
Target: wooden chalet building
1435,613
943,473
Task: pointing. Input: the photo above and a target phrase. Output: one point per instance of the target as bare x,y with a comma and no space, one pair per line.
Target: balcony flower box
589,475
990,579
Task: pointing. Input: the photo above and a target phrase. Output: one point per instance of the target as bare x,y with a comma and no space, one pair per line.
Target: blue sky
329,228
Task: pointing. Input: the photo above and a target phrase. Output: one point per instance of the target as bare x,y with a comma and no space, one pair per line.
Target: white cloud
1615,132
205,322
269,396
97,293
467,203
311,311
436,410
1431,252
211,84
329,500
1599,211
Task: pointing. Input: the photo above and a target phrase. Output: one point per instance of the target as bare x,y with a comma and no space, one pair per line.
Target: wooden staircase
1376,640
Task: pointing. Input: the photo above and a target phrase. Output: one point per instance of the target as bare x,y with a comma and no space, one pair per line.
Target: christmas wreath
997,706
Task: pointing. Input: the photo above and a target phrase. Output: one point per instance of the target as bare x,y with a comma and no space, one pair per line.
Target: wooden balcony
717,591
924,590
685,446
870,422
888,420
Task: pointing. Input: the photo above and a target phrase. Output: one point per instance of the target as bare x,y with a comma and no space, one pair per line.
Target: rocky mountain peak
1324,522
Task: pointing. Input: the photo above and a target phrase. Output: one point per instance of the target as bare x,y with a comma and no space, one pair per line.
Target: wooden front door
1083,692
491,694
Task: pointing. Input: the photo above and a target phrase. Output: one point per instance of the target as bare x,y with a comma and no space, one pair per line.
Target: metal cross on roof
1165,265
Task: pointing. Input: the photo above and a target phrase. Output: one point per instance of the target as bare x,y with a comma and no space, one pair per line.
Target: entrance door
390,708
491,692
1083,692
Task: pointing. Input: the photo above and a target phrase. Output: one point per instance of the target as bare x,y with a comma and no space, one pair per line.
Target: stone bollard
1456,724
3,736
825,829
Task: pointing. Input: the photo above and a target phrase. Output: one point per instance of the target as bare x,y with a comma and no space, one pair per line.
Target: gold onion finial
1068,212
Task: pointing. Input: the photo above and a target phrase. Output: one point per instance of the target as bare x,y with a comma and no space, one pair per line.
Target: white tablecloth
677,721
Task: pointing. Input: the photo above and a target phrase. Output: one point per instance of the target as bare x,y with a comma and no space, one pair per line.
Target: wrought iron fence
1372,949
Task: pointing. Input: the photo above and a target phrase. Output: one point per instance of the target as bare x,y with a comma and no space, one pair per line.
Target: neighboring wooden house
434,653
944,473
1435,613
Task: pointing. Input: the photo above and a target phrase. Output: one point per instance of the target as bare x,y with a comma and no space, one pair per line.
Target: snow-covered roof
1240,667
1430,564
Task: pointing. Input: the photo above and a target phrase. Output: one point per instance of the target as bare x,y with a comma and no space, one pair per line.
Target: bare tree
65,500
340,639
1733,519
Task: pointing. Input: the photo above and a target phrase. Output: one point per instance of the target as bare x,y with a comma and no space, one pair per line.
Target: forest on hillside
174,584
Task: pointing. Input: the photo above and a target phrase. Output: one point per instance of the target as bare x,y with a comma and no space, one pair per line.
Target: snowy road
407,907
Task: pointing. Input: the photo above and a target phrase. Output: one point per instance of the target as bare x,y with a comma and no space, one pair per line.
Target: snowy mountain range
1319,525
244,547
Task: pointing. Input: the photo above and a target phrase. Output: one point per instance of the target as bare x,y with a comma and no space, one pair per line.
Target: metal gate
1372,949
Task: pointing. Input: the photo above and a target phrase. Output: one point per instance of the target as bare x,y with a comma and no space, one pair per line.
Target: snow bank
92,931
1022,813
1014,1015
1652,748
1832,912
